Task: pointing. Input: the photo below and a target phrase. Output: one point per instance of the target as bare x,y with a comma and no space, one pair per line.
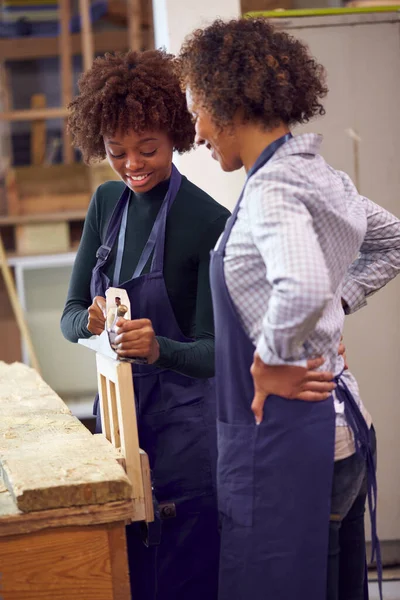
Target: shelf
43,47
41,261
73,215
34,114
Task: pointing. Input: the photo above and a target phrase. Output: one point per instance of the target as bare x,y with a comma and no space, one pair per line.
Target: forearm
193,359
285,329
379,258
366,276
74,322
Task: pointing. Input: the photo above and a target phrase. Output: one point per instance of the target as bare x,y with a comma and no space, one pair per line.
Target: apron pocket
235,471
178,444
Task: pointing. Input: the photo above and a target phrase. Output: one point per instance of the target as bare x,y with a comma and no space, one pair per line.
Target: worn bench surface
48,459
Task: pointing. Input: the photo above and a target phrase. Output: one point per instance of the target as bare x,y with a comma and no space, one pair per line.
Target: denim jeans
346,557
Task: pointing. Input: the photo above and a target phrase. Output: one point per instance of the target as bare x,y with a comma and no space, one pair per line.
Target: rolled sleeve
282,230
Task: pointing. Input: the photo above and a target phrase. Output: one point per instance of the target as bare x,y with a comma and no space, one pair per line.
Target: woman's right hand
97,318
300,383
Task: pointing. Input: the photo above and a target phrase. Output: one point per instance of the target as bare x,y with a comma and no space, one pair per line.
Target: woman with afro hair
292,476
151,233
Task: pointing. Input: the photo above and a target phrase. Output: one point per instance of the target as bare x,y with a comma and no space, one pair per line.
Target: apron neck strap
156,241
103,252
264,157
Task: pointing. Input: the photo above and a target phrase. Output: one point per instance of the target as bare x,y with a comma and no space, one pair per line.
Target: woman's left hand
301,383
136,339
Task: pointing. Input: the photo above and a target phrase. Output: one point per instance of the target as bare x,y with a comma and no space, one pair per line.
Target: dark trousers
346,558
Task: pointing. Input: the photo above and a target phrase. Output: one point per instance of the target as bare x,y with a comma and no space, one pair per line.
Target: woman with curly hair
292,475
151,234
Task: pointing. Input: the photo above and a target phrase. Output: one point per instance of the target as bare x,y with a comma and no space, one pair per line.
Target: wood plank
50,203
101,172
15,522
31,114
39,238
50,217
18,430
12,193
51,462
38,132
148,25
148,492
23,391
9,329
113,413
57,565
59,474
106,366
100,437
52,179
42,47
134,24
104,406
87,35
119,563
65,50
5,128
120,373
17,308
129,432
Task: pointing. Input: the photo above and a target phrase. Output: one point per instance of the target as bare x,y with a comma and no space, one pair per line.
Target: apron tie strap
362,440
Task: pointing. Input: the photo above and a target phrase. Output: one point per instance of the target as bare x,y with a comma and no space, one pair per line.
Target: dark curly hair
249,66
129,91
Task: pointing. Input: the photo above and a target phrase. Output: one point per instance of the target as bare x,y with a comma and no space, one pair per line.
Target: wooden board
14,522
38,132
62,471
45,180
48,459
66,73
50,203
66,563
101,172
9,329
50,217
31,48
55,188
42,238
122,404
22,391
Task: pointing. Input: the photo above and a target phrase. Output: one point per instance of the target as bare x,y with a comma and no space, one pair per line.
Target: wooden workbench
64,500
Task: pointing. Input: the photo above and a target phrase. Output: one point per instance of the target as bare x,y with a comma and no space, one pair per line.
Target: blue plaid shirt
303,240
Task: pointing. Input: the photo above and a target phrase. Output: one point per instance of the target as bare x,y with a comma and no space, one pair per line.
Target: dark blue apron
176,422
274,479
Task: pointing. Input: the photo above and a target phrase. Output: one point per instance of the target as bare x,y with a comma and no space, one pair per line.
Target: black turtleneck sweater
194,224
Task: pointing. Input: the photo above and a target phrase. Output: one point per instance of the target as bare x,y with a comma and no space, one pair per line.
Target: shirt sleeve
75,316
379,257
295,268
197,358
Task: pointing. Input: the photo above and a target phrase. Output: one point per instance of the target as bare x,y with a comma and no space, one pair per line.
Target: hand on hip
301,383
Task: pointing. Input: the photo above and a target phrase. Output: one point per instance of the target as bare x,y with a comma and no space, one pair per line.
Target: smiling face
142,160
221,142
